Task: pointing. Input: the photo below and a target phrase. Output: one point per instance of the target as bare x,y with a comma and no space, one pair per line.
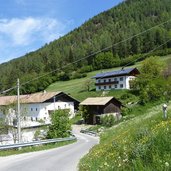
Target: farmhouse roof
7,100
94,101
39,97
31,98
117,73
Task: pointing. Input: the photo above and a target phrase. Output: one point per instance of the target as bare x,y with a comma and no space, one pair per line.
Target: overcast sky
26,25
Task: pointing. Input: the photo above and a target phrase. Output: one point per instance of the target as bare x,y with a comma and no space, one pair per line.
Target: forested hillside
119,23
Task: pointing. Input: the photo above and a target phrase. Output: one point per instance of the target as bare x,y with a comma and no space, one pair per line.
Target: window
121,85
98,81
109,86
116,86
31,109
36,109
65,105
115,79
104,87
121,78
99,87
104,81
109,80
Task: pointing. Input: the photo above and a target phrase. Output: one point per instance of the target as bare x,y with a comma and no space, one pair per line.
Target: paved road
60,159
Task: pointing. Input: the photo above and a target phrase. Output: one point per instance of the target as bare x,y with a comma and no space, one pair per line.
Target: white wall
27,135
129,78
122,84
33,113
41,110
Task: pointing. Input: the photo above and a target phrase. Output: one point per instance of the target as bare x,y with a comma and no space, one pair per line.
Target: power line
123,66
91,55
99,51
104,76
147,53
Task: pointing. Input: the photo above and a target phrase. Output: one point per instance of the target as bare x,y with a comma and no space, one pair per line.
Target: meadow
139,144
76,87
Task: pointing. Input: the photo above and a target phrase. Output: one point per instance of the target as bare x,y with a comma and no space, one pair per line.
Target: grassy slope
142,143
75,87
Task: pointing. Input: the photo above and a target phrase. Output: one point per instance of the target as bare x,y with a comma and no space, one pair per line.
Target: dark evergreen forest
104,30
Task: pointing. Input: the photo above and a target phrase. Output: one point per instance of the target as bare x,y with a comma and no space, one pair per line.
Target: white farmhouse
36,110
119,79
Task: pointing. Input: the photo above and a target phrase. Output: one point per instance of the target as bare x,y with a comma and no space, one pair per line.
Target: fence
89,132
18,145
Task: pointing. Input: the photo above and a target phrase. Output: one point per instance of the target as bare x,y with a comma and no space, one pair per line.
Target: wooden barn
97,106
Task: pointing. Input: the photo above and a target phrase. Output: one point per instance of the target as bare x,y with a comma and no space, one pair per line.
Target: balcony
107,83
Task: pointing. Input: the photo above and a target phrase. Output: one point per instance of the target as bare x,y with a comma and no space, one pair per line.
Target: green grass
76,119
75,87
34,148
139,144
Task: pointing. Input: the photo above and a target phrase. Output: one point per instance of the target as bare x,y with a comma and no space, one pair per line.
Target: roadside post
164,111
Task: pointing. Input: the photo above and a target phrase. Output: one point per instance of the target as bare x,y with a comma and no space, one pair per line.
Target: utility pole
18,111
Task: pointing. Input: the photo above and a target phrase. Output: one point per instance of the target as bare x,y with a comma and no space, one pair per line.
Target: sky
26,25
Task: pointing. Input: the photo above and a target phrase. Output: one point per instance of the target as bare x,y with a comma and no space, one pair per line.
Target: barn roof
31,98
97,101
116,73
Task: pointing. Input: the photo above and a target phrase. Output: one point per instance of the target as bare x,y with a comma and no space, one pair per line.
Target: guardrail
18,145
89,132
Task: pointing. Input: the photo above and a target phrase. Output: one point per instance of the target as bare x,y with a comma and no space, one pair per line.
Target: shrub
125,111
60,126
76,75
107,120
86,68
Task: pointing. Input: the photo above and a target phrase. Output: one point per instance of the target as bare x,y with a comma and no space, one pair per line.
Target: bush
60,126
125,111
87,68
76,75
107,120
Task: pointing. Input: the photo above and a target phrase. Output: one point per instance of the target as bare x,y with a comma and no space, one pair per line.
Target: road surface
60,159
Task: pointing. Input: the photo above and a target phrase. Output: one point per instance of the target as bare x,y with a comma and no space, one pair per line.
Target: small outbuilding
98,106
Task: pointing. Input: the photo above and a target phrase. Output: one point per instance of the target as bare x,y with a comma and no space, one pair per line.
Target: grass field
75,87
139,144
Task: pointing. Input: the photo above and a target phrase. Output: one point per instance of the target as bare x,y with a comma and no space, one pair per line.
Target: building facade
100,106
36,110
120,79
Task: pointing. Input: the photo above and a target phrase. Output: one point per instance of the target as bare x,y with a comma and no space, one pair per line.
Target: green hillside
108,28
140,144
141,140
77,87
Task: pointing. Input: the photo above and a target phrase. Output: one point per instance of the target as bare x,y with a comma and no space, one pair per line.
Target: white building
36,110
119,79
